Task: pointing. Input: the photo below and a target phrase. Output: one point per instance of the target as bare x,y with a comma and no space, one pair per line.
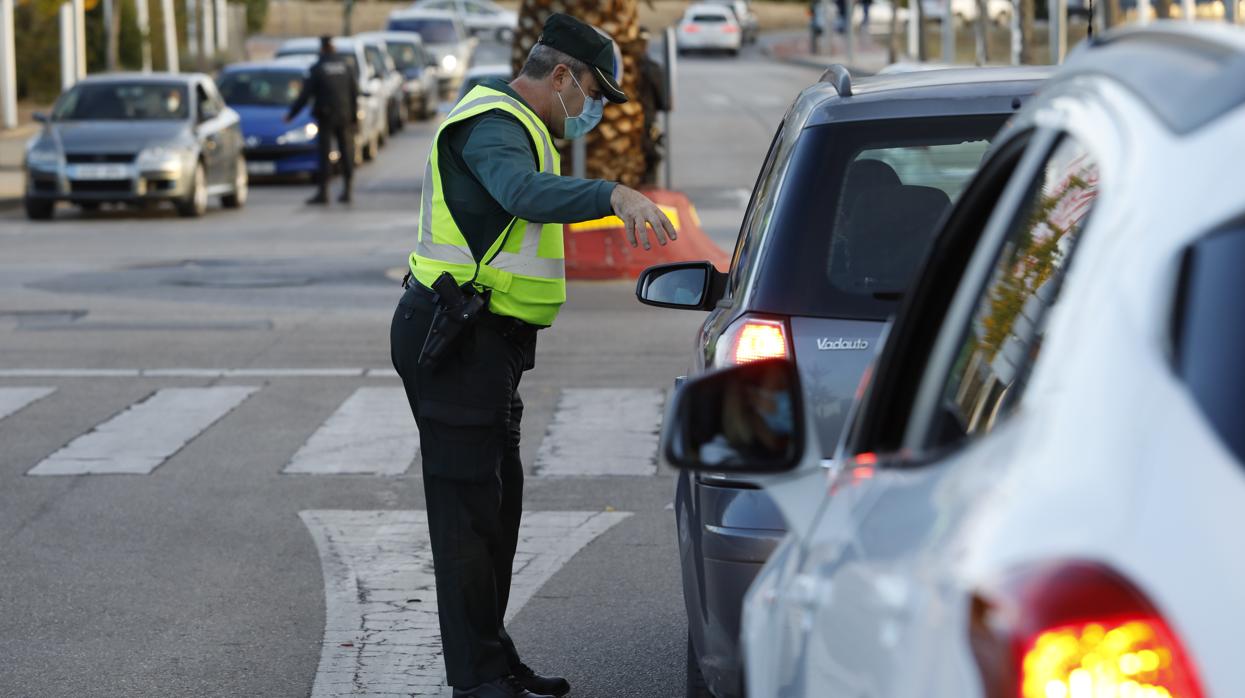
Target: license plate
261,167
101,172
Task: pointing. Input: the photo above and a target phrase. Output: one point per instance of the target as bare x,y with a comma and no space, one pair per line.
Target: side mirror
743,419
686,285
40,117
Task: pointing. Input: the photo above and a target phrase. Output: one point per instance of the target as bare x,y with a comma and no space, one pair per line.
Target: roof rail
838,76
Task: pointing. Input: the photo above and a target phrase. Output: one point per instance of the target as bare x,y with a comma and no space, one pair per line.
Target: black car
856,180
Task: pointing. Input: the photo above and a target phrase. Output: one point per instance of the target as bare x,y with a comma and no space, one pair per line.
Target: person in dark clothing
333,90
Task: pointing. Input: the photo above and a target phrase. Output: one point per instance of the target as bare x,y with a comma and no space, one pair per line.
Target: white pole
209,30
1143,11
1016,47
8,67
192,29
110,37
914,29
69,59
948,34
79,24
1188,10
222,26
144,32
172,60
1058,30
849,31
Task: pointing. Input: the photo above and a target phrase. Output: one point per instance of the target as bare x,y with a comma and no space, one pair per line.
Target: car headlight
161,157
449,62
298,136
44,159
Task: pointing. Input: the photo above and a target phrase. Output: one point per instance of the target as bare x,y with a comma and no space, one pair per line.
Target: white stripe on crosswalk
14,399
381,634
139,439
602,431
371,433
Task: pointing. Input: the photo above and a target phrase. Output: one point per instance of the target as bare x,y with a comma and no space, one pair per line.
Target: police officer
333,90
491,215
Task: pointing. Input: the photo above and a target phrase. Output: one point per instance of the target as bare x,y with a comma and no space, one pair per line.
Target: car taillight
730,29
1076,629
690,28
752,339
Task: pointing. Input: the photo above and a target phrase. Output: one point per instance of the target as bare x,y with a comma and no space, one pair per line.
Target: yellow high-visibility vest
525,266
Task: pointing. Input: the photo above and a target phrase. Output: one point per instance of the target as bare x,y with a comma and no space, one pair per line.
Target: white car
445,37
708,27
482,18
372,98
391,81
418,67
1041,490
998,11
749,24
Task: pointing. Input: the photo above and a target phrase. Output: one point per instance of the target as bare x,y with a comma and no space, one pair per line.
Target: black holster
458,309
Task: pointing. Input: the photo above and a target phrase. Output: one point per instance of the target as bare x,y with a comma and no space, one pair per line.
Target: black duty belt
504,325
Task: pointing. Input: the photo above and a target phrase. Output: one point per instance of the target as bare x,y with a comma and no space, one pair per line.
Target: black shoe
319,198
550,685
345,197
508,687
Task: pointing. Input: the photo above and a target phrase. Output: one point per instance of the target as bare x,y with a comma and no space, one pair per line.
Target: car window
123,101
1209,333
1004,334
208,109
375,60
859,205
264,88
708,19
749,232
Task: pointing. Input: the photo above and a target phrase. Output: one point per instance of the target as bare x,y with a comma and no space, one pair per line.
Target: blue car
261,93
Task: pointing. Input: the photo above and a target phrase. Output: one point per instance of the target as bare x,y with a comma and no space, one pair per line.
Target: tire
38,209
241,186
195,203
696,687
89,206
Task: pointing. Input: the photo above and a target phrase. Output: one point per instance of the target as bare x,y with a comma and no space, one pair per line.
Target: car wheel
696,687
38,209
241,187
195,203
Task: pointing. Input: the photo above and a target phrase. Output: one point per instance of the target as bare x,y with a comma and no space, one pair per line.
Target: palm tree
620,148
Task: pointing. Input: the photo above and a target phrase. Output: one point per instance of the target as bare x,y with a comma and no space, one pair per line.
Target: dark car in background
137,139
848,199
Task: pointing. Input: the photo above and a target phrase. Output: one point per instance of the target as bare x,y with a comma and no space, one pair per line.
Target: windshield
433,31
859,206
405,56
264,88
146,101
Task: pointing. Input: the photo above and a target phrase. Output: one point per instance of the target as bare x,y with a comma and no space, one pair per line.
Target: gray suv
857,178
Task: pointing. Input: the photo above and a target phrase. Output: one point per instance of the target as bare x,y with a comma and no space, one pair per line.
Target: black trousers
468,412
342,134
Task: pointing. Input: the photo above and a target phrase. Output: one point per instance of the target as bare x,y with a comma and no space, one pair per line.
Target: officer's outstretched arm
639,213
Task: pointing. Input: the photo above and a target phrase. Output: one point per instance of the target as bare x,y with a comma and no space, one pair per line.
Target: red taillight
690,28
760,339
1076,629
730,29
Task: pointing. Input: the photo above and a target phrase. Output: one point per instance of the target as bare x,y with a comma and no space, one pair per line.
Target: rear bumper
709,42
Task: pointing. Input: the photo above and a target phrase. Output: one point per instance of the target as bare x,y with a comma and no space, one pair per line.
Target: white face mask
589,116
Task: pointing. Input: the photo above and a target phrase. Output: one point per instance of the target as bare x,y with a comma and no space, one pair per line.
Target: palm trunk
617,147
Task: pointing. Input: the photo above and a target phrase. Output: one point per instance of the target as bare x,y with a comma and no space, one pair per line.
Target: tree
619,148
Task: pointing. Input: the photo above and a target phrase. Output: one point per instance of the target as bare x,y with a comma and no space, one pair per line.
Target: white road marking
14,399
381,634
371,433
139,439
715,99
602,431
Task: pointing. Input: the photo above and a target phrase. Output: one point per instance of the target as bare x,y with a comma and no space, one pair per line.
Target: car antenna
838,76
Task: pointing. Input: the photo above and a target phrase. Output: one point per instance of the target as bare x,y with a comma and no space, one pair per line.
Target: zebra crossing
593,432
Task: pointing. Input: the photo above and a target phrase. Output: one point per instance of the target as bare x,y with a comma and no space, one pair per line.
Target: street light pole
1058,13
8,67
172,60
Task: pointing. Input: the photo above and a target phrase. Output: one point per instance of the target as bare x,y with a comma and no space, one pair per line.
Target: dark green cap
579,40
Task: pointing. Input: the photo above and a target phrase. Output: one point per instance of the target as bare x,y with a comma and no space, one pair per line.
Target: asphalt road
207,358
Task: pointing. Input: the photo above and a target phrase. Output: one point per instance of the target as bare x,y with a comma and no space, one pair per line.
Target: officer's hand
638,213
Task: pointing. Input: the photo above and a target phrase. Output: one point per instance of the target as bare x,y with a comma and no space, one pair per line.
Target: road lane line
602,431
142,437
14,399
381,633
371,433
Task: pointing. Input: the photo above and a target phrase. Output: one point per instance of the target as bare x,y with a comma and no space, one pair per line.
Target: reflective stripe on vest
526,267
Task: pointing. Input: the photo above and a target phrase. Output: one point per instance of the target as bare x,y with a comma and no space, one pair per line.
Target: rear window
708,19
1209,333
433,31
858,209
